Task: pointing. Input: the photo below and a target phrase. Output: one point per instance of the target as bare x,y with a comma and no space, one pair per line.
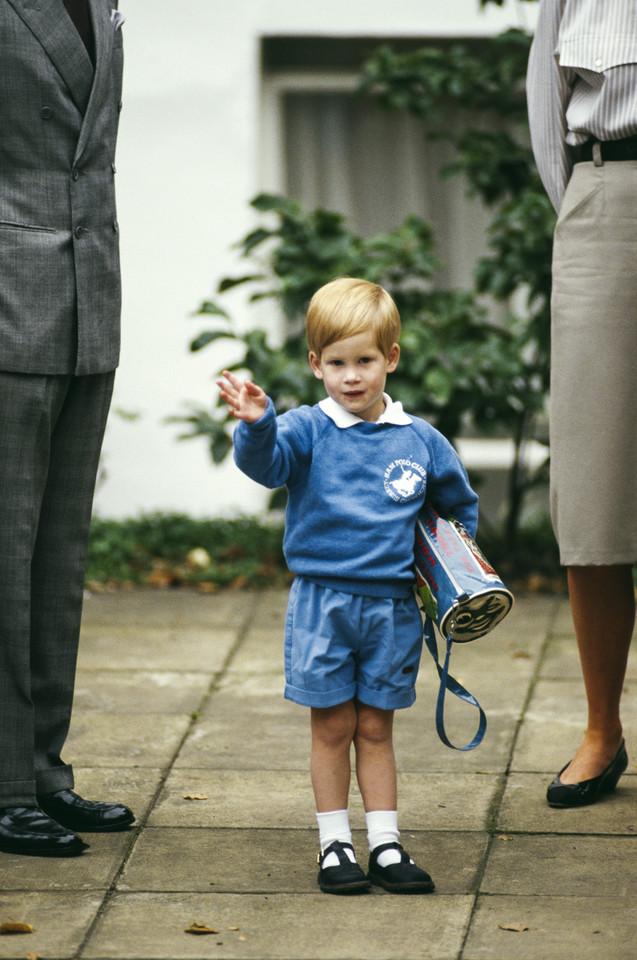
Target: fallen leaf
198,927
234,928
513,927
503,836
33,956
206,586
6,928
243,939
537,583
196,796
238,583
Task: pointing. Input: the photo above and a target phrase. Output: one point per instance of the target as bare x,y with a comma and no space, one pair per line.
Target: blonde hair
347,306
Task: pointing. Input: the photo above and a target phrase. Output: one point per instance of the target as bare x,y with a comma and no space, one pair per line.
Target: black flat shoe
28,831
588,791
89,816
403,877
347,877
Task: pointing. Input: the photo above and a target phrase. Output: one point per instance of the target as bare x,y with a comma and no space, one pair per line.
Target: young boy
357,470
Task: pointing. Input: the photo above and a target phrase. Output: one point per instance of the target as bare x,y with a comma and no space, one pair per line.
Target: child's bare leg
389,865
332,734
376,773
375,760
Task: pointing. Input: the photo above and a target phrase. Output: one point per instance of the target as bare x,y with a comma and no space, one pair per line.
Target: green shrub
464,366
164,550
173,550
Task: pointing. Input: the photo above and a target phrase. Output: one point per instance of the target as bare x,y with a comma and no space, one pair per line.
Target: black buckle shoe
347,877
29,831
403,877
89,816
588,791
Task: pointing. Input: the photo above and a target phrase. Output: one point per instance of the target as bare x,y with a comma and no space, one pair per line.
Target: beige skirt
593,404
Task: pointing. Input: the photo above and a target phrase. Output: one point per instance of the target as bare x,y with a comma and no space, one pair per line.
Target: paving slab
562,623
282,741
140,691
554,723
134,740
373,926
267,861
180,695
282,729
253,688
257,684
135,786
134,647
262,649
532,618
60,921
170,609
235,798
561,660
574,866
98,866
95,869
248,717
552,928
419,749
524,809
284,799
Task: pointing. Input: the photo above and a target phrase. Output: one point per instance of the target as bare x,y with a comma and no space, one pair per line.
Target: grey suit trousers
51,431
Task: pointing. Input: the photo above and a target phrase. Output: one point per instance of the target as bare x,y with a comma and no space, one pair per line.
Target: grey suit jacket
60,292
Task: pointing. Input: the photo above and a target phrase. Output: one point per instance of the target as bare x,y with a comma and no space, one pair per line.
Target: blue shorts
342,646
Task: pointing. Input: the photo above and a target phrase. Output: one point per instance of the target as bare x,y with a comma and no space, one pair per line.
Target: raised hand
246,401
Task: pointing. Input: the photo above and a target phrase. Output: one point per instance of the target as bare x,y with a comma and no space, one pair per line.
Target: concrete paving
179,713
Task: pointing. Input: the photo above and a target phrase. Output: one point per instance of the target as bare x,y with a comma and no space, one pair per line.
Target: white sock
382,827
334,825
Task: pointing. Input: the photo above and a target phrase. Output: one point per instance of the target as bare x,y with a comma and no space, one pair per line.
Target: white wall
188,164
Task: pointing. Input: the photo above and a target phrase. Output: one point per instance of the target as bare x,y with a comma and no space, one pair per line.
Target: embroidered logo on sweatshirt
404,480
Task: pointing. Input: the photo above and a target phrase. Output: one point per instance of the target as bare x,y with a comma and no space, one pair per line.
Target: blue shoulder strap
447,682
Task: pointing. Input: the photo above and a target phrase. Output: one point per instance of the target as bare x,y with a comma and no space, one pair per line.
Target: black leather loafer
347,877
89,816
403,877
29,831
588,791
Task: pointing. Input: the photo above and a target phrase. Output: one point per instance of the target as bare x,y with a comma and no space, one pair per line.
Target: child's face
354,371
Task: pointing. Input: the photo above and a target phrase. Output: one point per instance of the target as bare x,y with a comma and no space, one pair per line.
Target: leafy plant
166,550
163,551
460,367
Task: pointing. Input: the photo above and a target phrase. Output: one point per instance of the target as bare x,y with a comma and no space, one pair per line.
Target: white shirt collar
393,413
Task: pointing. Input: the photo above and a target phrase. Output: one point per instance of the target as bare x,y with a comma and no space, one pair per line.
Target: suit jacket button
79,232
75,174
46,113
115,226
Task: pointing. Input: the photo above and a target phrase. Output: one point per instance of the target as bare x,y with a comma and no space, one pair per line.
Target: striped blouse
581,81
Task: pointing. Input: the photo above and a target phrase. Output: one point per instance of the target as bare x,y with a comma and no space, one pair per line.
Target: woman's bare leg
603,609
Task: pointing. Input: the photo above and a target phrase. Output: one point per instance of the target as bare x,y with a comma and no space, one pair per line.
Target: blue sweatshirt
354,490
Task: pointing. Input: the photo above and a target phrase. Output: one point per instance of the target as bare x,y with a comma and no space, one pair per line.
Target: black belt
610,150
